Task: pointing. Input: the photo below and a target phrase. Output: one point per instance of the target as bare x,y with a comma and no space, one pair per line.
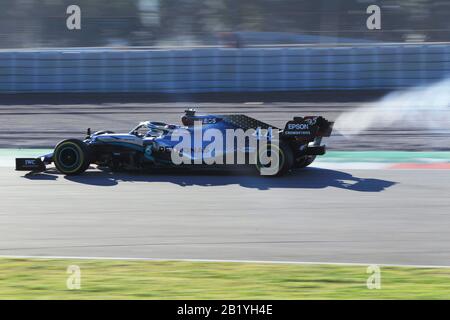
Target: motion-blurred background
319,56
41,23
387,90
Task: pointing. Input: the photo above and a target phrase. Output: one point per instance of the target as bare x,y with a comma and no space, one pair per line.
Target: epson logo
30,162
298,126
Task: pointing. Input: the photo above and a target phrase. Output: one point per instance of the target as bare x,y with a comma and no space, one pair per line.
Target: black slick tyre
71,157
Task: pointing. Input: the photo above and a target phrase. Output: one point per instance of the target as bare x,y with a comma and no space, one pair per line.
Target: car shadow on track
309,178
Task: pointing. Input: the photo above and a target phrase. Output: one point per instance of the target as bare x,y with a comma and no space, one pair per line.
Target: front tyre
71,157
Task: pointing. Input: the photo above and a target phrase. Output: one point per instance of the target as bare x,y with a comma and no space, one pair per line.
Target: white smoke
418,108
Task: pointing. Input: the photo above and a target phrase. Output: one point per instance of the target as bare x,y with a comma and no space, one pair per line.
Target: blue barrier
223,69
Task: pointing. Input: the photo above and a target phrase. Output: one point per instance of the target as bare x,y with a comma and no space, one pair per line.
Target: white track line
224,261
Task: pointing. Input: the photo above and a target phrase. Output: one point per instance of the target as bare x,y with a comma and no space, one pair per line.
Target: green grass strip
114,279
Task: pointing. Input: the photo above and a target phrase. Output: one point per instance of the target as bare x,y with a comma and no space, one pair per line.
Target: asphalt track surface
319,215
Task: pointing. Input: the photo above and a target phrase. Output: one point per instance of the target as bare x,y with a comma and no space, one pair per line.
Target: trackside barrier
222,69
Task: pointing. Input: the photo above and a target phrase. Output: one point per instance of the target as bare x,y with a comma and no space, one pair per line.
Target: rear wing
307,128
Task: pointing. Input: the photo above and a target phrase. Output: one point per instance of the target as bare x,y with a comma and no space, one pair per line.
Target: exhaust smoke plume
418,108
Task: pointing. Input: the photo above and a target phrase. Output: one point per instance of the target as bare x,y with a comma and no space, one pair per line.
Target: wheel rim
269,154
68,157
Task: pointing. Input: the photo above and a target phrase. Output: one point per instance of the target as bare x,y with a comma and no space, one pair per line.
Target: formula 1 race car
157,144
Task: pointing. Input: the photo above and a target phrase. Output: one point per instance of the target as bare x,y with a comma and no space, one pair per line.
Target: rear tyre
283,157
305,161
71,157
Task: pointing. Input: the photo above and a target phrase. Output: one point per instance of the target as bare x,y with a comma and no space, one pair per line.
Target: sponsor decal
30,162
298,126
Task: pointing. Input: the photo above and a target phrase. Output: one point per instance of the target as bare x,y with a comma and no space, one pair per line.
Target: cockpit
152,129
156,129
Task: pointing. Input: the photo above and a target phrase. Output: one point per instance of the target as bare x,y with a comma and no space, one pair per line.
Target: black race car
201,140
